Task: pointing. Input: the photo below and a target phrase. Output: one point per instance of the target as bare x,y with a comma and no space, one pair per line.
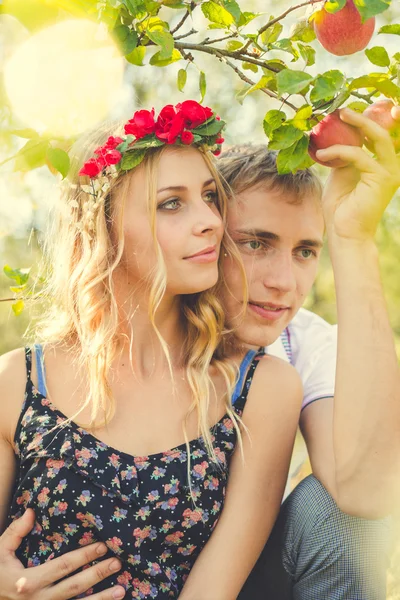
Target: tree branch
282,16
185,16
237,55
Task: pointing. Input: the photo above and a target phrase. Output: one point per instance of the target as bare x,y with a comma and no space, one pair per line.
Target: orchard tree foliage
161,32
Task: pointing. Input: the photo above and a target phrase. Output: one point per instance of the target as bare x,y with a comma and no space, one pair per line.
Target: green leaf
250,67
126,38
333,6
132,159
182,77
32,155
284,136
135,7
378,56
59,159
233,45
301,118
209,129
25,133
246,17
287,46
202,85
21,276
324,89
271,34
338,101
292,82
165,40
302,31
156,61
273,120
370,8
378,81
307,53
18,307
393,29
137,55
290,159
217,14
264,82
233,8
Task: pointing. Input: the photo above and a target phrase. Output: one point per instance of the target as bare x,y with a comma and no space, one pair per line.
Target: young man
317,551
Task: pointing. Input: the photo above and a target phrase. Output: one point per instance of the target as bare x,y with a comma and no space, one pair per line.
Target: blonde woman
127,435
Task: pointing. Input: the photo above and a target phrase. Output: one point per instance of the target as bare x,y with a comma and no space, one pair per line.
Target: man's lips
268,310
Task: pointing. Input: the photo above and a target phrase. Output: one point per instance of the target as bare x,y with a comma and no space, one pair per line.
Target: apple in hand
381,113
332,130
343,33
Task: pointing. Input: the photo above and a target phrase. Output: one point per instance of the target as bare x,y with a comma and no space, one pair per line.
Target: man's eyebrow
183,188
273,237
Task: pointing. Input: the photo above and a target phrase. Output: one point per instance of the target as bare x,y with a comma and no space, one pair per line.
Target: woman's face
189,227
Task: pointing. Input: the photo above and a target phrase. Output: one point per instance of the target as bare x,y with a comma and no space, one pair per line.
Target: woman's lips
269,314
207,256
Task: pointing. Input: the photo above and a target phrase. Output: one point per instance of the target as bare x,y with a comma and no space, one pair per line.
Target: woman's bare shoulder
13,377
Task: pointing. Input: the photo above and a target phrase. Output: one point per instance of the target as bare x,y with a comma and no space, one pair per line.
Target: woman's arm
255,485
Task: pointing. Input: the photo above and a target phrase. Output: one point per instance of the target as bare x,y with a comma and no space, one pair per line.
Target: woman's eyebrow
182,188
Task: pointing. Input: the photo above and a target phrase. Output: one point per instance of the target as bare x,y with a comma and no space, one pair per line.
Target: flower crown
185,124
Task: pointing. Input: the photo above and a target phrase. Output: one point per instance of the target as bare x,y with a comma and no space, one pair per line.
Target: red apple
380,112
343,33
332,130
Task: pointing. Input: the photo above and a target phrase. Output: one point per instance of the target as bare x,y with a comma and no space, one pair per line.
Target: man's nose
279,271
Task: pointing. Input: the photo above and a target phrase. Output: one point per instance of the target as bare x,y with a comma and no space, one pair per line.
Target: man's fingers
17,530
83,581
350,154
64,565
380,138
396,113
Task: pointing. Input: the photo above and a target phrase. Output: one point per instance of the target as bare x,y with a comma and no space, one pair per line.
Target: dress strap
244,365
40,370
28,362
241,400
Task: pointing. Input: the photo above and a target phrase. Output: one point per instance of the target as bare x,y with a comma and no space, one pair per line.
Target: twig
282,16
180,37
227,37
237,55
244,78
185,16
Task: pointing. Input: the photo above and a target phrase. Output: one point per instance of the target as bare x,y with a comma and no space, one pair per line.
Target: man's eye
307,253
170,205
253,245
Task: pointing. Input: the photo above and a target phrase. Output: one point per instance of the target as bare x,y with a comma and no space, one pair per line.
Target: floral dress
141,507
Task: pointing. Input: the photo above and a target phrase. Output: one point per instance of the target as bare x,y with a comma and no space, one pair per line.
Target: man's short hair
244,166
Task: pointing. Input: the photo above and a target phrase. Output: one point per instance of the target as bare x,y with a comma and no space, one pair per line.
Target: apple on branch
343,32
330,131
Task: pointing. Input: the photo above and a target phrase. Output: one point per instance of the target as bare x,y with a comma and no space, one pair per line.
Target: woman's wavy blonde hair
80,309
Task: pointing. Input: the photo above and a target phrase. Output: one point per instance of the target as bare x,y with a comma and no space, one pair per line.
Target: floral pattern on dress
141,507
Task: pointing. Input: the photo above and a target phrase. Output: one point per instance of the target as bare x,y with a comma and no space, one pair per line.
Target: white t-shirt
309,343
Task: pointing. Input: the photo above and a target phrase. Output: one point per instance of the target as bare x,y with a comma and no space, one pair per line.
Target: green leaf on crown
132,159
209,129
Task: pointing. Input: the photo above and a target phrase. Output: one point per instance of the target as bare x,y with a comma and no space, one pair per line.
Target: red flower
141,124
217,152
113,142
112,157
91,168
193,113
187,137
164,122
219,140
177,126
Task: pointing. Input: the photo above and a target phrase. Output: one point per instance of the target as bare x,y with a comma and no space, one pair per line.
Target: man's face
280,243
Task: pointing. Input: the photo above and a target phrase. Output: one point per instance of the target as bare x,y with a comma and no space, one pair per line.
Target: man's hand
39,583
356,196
